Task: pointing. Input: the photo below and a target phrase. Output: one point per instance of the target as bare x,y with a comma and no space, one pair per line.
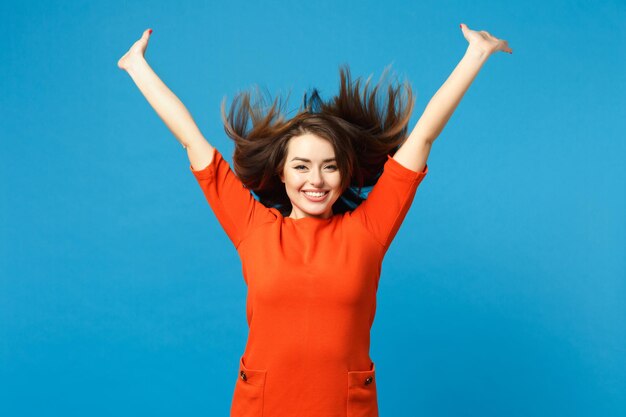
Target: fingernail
150,31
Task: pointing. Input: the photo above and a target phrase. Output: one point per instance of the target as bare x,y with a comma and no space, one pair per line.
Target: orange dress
311,295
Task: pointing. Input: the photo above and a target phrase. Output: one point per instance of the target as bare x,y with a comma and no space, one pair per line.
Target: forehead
310,146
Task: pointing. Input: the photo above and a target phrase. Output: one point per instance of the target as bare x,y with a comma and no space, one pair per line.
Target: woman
312,245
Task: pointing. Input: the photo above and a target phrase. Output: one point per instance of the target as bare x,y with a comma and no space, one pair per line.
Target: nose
316,179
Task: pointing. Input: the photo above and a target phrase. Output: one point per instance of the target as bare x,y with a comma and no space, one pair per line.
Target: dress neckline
310,220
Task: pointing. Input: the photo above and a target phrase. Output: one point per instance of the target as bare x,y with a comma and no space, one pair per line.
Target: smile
315,197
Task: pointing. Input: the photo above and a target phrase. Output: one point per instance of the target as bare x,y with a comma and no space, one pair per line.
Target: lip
316,199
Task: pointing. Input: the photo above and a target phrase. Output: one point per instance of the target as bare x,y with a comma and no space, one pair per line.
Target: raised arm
413,153
169,108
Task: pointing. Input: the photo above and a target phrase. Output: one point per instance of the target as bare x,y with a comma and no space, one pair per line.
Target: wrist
477,53
135,64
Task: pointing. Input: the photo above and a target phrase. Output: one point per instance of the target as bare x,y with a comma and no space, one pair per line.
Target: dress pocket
249,390
362,398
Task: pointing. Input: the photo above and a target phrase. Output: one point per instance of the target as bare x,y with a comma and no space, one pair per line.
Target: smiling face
311,166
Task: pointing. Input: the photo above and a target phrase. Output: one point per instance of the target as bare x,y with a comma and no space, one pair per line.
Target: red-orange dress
311,295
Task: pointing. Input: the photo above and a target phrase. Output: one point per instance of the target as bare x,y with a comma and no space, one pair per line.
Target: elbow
429,140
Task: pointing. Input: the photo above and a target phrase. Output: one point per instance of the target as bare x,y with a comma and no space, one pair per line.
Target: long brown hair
361,130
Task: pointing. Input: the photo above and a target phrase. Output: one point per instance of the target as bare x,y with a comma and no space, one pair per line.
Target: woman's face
311,166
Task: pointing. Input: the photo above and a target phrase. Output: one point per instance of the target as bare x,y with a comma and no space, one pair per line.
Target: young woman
312,245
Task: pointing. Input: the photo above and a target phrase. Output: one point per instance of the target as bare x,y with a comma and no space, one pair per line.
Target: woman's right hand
135,52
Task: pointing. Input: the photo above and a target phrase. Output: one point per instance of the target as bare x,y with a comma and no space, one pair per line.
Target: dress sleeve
234,205
387,204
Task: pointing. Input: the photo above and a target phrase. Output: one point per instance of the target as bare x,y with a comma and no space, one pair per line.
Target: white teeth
314,194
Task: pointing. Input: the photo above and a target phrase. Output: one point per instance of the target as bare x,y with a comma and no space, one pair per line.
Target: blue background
503,293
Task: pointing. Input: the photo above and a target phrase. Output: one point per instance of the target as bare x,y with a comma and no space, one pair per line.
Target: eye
297,167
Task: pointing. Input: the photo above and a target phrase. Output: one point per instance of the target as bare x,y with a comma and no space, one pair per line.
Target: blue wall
503,293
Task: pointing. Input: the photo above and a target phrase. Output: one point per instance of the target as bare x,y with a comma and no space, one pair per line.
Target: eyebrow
308,160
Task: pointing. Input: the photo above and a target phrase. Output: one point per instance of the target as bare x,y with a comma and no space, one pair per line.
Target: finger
506,47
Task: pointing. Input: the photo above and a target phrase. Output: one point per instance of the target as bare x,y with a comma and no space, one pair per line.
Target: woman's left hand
484,42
